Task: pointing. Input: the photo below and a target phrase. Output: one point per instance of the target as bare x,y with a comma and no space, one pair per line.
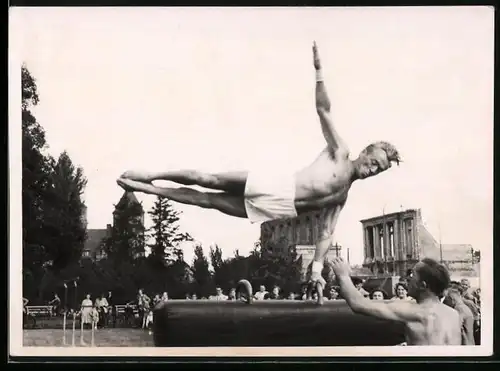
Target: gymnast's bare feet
125,184
140,176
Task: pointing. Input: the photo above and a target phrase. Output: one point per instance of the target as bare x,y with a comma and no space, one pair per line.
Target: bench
39,310
120,309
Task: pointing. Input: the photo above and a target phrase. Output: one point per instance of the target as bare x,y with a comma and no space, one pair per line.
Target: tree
126,241
64,213
165,231
179,276
201,273
35,179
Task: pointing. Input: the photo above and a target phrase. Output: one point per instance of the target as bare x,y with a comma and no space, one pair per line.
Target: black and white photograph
300,181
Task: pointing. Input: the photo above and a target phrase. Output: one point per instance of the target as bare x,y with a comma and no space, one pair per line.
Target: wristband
319,75
317,267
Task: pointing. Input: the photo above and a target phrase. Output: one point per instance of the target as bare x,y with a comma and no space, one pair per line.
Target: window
371,247
391,239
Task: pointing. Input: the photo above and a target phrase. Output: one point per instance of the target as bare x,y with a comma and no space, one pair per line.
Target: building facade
395,242
279,237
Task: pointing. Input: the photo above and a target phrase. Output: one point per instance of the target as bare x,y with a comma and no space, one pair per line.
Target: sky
221,89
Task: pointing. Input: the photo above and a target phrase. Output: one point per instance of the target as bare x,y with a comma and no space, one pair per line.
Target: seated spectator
219,295
401,290
378,294
333,293
358,283
232,294
260,295
275,294
291,296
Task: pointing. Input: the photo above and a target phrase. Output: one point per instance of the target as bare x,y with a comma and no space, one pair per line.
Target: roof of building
128,198
94,238
388,215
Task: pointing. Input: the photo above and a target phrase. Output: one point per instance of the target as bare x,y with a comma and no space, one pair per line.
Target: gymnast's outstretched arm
325,239
323,105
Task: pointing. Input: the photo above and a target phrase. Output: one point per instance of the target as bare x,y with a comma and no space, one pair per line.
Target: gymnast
262,196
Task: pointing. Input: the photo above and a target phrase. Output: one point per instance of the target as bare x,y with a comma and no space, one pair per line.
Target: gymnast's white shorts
269,195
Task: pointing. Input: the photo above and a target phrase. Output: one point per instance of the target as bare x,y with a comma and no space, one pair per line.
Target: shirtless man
261,196
427,321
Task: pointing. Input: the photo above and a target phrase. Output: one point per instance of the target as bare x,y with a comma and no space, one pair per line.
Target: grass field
117,337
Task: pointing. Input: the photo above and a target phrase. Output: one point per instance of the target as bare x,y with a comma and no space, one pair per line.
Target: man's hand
317,277
316,61
340,267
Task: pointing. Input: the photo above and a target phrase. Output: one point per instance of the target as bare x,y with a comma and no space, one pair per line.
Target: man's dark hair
356,281
435,275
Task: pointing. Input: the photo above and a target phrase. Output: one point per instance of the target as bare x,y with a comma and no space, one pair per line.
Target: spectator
86,310
454,300
358,283
102,308
112,308
275,293
232,294
194,297
378,294
291,296
25,303
219,295
401,290
56,304
156,299
333,293
260,295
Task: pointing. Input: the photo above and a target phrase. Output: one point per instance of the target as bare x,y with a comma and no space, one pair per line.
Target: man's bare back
439,325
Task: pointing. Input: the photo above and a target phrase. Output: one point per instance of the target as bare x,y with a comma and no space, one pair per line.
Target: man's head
452,298
276,290
428,277
375,158
218,291
262,288
465,283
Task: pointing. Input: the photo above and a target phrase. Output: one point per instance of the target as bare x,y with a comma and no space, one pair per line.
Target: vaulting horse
246,322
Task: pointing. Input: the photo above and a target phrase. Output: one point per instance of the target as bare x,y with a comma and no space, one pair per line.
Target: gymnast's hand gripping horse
262,196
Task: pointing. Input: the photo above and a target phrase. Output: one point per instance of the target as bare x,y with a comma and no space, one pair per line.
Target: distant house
93,248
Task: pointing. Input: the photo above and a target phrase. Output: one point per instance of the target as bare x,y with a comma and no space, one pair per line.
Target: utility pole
440,244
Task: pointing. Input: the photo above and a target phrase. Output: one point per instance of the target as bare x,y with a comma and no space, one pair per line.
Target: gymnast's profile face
371,163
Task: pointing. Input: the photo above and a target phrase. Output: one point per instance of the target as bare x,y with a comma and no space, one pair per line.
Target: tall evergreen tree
165,231
201,273
220,271
64,218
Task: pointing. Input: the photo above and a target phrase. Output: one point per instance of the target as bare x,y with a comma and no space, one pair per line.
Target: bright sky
229,89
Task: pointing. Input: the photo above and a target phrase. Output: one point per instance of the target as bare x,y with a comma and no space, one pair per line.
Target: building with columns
394,242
